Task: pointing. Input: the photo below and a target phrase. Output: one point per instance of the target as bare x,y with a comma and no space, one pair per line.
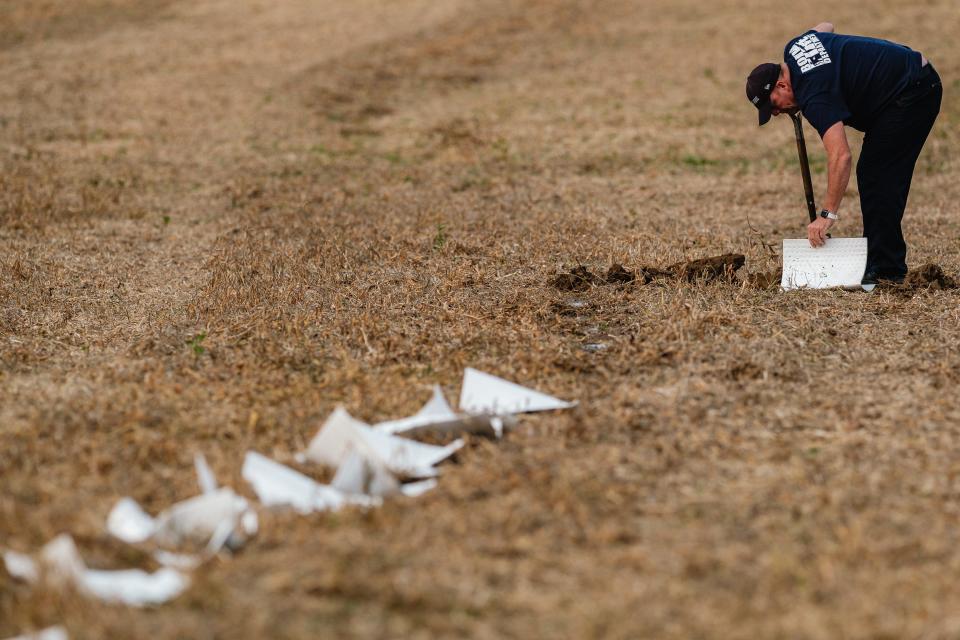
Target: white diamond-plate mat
840,262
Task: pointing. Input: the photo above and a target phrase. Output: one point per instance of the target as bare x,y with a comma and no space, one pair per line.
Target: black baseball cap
760,83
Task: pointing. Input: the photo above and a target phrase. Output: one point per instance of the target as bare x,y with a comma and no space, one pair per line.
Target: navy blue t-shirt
847,78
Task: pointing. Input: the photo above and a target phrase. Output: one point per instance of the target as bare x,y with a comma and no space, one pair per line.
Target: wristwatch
829,214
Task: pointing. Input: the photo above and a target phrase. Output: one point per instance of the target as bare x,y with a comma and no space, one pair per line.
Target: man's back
847,78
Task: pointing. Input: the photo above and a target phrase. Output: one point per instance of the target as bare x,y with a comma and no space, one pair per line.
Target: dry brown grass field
221,219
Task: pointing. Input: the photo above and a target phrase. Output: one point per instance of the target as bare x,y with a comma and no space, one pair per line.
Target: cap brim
766,111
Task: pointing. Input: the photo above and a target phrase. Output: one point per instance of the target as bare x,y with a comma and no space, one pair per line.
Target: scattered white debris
278,485
483,393
50,633
341,435
370,464
59,565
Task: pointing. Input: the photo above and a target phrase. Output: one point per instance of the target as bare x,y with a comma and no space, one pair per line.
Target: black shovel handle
804,166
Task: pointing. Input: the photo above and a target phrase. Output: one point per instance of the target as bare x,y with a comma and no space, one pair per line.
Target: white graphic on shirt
809,53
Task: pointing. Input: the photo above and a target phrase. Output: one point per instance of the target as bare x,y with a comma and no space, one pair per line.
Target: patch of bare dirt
705,269
618,274
722,267
577,279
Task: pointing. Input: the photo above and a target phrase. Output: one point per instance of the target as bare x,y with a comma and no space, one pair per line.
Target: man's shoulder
807,52
794,39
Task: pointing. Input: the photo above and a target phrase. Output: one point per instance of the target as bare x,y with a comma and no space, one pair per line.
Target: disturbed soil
220,220
707,269
930,275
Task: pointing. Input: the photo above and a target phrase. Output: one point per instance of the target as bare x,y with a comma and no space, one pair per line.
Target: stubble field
221,219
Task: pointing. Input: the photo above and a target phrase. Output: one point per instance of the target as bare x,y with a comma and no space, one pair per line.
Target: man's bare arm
838,176
838,165
824,27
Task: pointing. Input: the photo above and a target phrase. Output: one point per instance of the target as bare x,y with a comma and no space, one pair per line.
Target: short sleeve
824,111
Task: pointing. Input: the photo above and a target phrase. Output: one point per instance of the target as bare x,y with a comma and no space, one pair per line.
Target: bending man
886,90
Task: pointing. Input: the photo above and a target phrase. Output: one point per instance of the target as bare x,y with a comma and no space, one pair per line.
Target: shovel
840,262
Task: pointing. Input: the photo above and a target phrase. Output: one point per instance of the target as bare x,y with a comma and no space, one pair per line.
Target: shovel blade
838,263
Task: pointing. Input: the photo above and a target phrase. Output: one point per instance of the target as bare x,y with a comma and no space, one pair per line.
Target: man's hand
817,231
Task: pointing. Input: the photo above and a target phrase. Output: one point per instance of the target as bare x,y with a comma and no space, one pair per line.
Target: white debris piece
130,523
179,561
50,633
436,410
59,565
20,566
341,435
135,587
483,393
215,518
60,562
840,262
414,489
365,475
221,518
359,475
205,477
438,417
279,485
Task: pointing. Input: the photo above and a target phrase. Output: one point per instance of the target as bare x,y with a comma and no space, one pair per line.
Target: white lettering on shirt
809,53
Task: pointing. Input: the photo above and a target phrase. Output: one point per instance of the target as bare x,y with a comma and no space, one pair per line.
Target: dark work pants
890,151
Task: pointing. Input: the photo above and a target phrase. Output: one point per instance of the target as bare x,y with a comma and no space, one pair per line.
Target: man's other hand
817,231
